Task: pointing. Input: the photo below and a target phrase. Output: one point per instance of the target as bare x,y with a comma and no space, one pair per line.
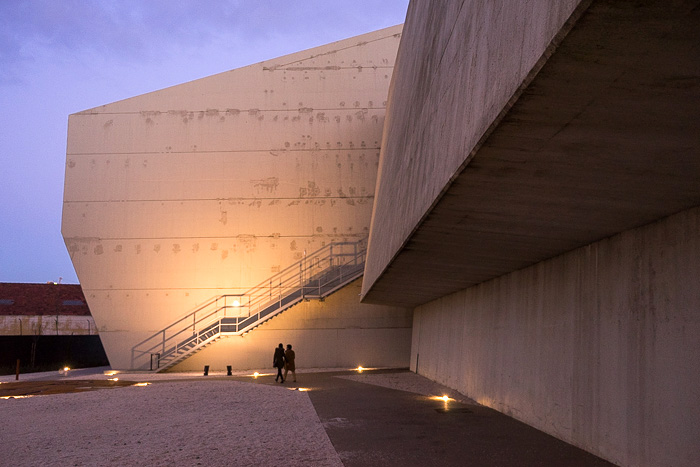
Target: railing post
163,340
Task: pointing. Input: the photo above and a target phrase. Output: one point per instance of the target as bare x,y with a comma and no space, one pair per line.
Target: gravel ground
179,418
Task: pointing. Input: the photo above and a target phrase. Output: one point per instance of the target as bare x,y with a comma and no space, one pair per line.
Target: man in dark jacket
278,362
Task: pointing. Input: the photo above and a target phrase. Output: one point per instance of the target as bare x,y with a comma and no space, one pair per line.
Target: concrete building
538,206
44,309
536,217
46,327
196,194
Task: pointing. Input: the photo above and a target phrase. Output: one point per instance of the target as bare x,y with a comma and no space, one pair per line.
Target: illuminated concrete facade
537,208
538,205
212,186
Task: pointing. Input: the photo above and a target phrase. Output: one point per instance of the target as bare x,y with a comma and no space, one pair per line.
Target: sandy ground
182,418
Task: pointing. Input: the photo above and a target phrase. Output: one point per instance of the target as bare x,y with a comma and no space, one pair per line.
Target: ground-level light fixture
444,398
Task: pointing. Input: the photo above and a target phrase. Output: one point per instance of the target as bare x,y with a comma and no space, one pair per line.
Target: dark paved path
371,425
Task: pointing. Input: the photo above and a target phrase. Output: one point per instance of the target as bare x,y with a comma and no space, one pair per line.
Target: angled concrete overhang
602,136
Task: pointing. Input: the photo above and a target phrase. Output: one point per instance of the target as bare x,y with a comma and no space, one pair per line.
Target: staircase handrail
256,300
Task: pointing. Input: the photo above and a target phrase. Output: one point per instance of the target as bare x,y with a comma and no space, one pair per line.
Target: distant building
47,327
44,309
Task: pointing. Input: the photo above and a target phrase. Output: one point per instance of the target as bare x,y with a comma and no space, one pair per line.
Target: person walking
278,362
289,362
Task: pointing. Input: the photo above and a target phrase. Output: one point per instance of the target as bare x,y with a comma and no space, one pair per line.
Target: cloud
156,29
63,56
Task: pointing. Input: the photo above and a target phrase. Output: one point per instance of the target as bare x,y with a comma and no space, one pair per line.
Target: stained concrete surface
603,139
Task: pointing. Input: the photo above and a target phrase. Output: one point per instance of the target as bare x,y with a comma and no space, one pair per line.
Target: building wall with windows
44,309
45,327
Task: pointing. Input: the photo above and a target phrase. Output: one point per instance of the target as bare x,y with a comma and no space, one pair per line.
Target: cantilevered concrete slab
480,177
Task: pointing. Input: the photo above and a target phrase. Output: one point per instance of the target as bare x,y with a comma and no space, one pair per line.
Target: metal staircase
315,276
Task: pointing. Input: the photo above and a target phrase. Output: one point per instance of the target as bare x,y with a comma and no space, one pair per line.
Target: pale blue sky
58,57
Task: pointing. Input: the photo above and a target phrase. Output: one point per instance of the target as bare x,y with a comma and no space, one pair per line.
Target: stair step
320,284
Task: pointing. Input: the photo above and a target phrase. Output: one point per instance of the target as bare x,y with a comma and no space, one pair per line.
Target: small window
6,301
73,302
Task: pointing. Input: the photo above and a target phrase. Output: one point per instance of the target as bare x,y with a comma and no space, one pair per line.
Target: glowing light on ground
142,384
445,399
15,397
113,379
442,398
256,374
360,369
111,373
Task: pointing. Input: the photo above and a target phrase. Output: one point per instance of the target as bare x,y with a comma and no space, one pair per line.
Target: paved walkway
370,425
377,418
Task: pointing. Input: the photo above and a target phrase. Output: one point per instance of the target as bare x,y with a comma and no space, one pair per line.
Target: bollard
206,370
17,371
229,371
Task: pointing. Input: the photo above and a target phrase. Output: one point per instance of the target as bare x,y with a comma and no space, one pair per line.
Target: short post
229,370
206,370
17,371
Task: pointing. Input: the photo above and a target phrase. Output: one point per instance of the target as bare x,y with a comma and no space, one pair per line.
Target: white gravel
166,423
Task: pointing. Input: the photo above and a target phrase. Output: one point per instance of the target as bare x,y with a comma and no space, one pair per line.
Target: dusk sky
62,57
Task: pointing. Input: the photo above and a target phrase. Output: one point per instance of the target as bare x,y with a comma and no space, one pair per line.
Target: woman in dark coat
289,362
278,362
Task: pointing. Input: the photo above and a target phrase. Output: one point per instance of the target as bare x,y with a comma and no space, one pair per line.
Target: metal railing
315,276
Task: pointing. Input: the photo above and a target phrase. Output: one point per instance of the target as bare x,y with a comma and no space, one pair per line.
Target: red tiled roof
42,299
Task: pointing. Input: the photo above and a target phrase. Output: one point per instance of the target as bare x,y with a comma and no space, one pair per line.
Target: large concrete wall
598,346
336,333
459,65
212,186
